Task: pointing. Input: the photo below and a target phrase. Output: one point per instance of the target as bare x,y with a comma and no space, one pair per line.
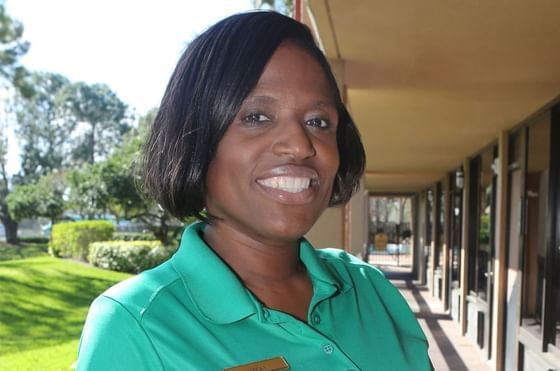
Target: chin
289,229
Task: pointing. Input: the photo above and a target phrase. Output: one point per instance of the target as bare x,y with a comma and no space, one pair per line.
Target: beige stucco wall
327,232
358,221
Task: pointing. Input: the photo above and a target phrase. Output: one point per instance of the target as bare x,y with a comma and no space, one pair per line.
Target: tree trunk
11,229
92,145
10,226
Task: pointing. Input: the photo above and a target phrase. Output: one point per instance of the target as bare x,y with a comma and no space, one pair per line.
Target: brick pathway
448,349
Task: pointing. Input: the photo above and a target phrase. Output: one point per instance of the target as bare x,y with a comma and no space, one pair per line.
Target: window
440,204
482,220
536,204
429,217
456,220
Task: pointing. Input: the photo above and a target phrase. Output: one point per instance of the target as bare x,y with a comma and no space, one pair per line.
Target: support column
500,262
446,244
465,246
415,237
358,221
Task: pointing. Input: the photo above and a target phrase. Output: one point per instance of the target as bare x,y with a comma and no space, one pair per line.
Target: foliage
87,194
9,223
283,6
35,240
43,306
12,47
43,198
132,236
484,232
128,256
44,124
122,196
117,173
12,74
104,116
72,239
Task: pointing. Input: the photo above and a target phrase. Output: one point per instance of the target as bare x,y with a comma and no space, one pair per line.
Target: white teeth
286,183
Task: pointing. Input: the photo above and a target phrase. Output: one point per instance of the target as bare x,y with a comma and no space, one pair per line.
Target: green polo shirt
193,313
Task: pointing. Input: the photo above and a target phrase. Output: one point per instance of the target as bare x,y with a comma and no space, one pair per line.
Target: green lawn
43,304
27,250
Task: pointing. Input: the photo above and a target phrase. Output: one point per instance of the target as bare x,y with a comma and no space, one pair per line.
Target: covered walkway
448,349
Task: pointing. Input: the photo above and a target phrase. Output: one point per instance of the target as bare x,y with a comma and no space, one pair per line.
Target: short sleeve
113,339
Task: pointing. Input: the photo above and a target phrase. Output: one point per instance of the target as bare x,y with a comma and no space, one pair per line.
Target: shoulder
342,261
363,277
114,326
370,284
137,294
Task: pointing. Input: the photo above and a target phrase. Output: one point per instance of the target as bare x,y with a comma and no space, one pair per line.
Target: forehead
292,66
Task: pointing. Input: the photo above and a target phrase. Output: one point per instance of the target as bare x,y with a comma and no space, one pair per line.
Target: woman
253,138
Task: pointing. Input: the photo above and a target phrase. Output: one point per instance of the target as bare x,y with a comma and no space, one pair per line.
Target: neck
256,261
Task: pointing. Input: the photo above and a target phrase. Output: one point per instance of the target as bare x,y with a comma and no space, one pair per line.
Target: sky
130,45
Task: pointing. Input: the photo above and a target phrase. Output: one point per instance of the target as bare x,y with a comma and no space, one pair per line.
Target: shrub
40,240
134,236
72,239
128,256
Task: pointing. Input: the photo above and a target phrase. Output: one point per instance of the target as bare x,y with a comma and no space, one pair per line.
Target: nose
294,141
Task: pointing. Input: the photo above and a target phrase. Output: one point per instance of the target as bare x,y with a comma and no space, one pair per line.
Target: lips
291,184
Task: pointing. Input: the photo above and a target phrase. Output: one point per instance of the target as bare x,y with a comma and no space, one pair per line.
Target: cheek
331,157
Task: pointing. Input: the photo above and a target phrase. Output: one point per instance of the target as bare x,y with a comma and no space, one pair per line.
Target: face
272,174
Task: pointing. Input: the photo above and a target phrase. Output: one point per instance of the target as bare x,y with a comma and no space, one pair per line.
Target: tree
43,198
283,6
44,123
11,72
10,224
87,191
125,200
12,47
105,119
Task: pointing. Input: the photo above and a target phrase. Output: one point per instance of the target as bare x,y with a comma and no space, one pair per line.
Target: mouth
290,184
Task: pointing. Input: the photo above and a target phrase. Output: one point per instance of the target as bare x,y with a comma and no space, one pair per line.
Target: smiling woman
253,138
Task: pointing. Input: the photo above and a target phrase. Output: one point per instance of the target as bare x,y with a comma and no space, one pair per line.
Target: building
458,104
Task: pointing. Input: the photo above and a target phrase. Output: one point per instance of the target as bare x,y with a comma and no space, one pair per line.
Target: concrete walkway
448,349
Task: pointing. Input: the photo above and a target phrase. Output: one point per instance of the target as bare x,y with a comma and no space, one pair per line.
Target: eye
318,122
255,118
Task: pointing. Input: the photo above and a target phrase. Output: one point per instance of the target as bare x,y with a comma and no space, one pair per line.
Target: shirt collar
210,283
208,280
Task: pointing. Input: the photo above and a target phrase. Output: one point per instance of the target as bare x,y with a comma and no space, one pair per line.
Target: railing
393,255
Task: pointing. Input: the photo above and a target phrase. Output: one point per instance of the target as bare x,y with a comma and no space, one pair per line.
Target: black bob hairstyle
214,75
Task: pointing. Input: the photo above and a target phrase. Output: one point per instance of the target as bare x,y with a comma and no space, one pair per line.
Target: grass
25,250
43,305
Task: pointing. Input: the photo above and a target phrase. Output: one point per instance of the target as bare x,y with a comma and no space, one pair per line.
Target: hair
214,75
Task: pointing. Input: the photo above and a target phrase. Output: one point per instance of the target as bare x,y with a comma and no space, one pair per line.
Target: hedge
72,239
134,236
128,256
41,240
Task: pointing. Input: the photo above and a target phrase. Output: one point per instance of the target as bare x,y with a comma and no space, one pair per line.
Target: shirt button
328,349
316,319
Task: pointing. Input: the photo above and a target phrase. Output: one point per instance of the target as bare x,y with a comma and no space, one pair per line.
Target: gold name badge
272,364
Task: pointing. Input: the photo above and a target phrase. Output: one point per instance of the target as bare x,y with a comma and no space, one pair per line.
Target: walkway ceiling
431,82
